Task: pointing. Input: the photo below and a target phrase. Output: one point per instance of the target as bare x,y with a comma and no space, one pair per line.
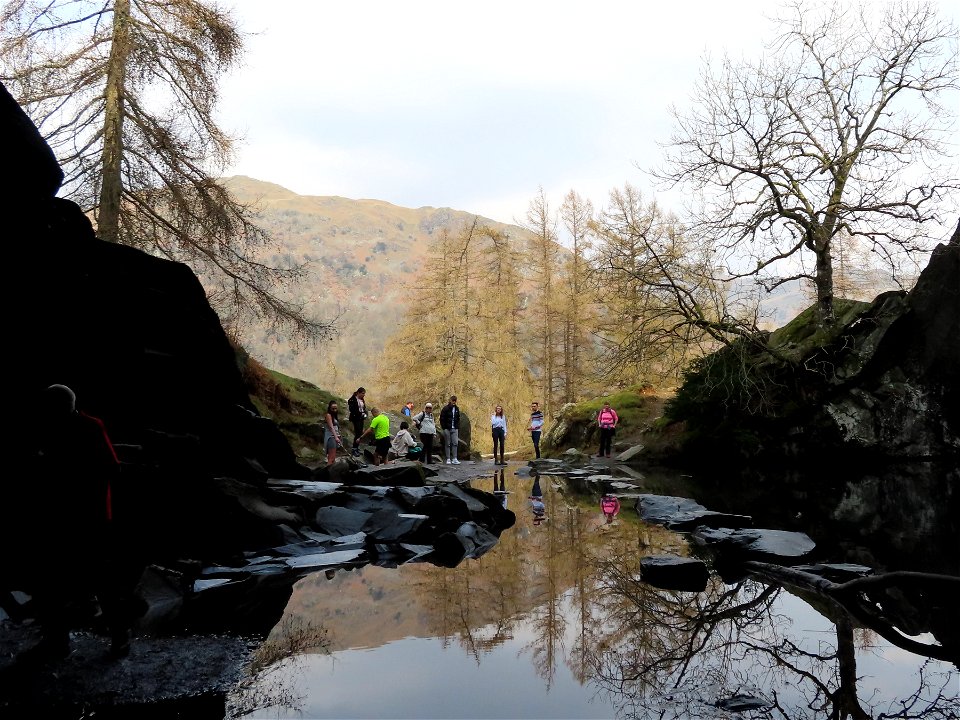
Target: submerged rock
672,572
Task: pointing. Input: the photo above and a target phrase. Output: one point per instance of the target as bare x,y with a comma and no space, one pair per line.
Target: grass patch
296,406
633,406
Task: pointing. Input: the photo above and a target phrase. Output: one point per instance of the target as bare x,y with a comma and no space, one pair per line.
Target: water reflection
555,622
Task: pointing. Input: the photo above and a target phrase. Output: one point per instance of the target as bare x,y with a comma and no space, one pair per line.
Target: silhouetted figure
77,471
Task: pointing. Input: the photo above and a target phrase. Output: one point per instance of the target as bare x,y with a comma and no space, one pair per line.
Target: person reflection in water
536,502
610,506
500,486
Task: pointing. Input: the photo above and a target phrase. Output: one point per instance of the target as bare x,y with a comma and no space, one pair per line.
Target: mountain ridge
367,263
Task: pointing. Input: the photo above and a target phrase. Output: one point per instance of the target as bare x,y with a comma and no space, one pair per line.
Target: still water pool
554,622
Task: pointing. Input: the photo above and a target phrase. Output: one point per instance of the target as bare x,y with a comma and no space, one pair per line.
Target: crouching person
403,445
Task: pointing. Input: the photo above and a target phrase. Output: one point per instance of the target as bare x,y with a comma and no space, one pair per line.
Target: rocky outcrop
897,391
882,386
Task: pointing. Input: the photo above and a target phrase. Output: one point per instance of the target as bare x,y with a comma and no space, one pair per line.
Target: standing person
331,432
607,420
498,426
380,429
407,409
357,408
77,470
425,422
536,426
450,424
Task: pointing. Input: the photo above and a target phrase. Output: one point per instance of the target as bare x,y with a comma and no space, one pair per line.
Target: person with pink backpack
607,420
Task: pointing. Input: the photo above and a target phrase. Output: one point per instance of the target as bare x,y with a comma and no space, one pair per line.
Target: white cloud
469,105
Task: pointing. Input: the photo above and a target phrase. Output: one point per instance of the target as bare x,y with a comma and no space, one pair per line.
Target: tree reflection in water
567,592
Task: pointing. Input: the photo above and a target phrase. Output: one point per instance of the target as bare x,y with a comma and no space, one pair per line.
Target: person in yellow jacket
380,429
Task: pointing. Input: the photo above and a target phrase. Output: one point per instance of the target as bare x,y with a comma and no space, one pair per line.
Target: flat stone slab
768,544
630,453
687,521
660,509
322,560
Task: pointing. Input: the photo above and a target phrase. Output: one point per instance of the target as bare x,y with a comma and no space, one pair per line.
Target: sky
468,105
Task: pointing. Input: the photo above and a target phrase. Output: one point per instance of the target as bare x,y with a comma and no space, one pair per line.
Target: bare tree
661,304
841,131
124,92
544,261
576,215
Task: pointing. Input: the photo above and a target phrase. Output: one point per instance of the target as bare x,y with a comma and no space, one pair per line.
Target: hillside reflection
562,593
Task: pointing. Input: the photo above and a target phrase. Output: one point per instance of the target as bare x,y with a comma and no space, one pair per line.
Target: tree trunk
825,316
108,212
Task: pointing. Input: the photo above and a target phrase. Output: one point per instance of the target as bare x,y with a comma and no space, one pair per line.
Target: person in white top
403,442
427,425
498,426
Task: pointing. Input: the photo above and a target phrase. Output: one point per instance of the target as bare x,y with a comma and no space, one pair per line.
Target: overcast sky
471,105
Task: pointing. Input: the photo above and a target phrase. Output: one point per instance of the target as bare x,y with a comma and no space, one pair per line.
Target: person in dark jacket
357,414
77,469
450,425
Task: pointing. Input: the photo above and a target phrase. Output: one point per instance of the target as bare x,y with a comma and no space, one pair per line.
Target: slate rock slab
753,542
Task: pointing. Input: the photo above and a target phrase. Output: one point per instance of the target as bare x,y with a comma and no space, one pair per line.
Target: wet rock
340,521
743,703
408,474
754,543
630,453
659,509
469,541
387,526
672,572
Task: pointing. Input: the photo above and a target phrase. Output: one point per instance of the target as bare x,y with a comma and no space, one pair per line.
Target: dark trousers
606,440
427,442
535,436
357,431
498,437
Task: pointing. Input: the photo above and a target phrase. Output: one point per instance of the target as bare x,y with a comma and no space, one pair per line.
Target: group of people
404,445
607,420
385,447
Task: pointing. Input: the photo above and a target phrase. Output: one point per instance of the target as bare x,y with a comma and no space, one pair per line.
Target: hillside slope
366,259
